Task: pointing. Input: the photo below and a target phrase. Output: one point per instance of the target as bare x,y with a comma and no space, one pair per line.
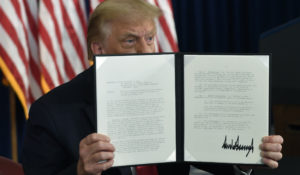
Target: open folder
176,107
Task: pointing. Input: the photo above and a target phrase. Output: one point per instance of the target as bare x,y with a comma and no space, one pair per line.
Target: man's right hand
96,154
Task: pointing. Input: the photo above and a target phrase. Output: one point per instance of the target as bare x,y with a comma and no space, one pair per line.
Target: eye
149,39
129,41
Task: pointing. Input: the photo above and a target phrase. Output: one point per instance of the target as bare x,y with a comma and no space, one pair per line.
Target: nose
143,47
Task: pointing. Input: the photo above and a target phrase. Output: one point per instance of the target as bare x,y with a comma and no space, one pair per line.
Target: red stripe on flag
50,8
72,34
10,30
46,39
36,72
32,22
81,17
170,5
159,48
13,69
158,45
32,65
31,98
167,31
47,77
68,68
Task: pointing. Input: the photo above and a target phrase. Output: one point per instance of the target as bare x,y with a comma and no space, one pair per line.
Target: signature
236,146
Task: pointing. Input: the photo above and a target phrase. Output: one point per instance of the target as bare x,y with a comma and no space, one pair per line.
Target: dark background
218,26
229,25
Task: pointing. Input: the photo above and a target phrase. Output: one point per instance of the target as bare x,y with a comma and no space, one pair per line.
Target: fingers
98,162
92,138
273,139
270,163
97,168
94,143
273,147
101,146
96,154
104,166
271,155
101,157
271,150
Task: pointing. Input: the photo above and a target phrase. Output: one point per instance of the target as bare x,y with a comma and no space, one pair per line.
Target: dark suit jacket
60,119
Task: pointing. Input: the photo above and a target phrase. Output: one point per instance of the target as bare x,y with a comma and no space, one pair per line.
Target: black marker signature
237,146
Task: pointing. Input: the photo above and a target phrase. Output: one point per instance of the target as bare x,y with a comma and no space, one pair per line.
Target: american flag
43,42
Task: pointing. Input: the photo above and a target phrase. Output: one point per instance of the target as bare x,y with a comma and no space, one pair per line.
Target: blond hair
110,10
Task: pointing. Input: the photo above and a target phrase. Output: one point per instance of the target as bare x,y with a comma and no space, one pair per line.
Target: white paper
136,107
226,104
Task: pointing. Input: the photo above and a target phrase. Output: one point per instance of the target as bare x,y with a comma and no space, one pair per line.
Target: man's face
129,37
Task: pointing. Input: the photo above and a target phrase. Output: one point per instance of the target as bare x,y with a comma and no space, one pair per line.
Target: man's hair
110,10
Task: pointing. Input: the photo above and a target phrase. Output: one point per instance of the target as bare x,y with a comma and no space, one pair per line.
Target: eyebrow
132,34
128,35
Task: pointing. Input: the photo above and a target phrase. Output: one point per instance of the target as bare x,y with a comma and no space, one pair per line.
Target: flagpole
13,125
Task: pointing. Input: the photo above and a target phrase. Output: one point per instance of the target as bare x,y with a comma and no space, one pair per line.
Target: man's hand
271,150
95,154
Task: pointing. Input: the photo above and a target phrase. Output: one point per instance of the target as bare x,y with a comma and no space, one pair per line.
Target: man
61,136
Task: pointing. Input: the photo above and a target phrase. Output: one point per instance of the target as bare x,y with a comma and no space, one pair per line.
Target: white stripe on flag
34,87
13,53
68,46
48,63
46,20
11,13
168,14
162,39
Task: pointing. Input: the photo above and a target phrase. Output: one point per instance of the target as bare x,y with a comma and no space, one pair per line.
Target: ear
97,48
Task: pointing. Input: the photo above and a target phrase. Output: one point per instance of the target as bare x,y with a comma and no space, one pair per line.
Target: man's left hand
271,150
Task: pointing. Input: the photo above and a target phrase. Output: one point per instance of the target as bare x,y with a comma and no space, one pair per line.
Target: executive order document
136,107
226,102
176,107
